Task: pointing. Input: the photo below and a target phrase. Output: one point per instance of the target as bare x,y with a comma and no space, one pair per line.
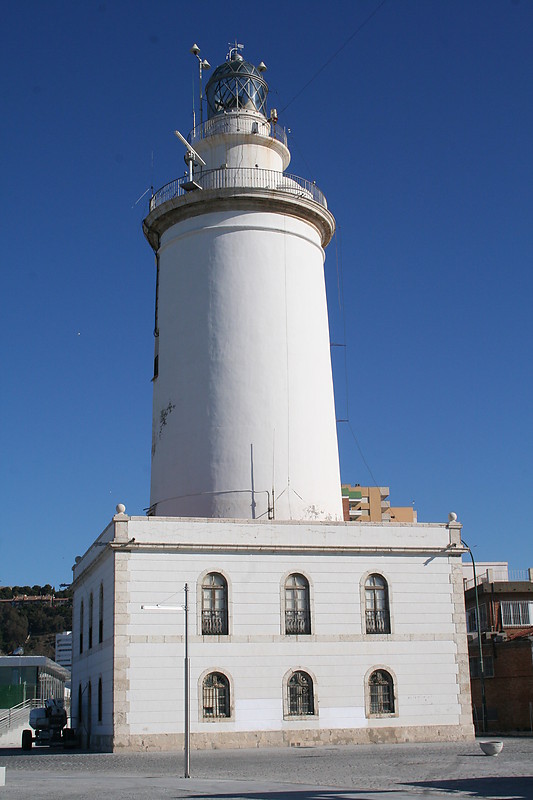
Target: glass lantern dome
236,84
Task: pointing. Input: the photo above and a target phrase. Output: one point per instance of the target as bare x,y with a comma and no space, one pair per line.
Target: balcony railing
297,622
377,621
238,123
214,623
241,177
499,575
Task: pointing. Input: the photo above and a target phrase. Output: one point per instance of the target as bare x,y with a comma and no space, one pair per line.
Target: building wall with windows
93,650
64,649
298,633
30,678
506,627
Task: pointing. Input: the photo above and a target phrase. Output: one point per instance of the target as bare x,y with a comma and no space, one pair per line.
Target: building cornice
207,201
290,549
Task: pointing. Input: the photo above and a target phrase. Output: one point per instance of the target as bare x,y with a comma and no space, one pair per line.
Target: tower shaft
243,409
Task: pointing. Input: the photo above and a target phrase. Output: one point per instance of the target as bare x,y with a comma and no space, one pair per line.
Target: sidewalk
369,772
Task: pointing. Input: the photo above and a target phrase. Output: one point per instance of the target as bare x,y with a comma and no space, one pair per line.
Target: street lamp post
186,665
480,646
186,679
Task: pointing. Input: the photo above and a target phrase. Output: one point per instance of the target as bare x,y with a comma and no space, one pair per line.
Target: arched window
214,605
381,692
215,696
300,695
91,614
100,704
101,615
89,712
297,610
81,627
377,605
80,708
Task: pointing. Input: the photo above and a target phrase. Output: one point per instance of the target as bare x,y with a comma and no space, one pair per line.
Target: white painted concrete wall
231,143
95,662
422,651
244,393
256,655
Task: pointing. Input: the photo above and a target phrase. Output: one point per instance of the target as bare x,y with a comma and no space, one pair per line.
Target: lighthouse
243,409
297,628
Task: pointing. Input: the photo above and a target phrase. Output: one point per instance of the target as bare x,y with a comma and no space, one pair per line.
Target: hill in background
30,617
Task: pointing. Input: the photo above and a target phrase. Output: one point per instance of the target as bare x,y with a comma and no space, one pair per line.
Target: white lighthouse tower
297,627
243,408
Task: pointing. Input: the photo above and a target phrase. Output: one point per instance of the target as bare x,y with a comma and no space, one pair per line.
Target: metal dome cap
236,84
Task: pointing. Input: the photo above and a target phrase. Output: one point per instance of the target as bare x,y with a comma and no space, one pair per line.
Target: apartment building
372,504
506,627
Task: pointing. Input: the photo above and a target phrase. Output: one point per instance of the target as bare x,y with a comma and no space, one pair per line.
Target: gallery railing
241,177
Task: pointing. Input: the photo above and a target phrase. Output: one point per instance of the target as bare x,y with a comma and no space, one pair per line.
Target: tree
13,628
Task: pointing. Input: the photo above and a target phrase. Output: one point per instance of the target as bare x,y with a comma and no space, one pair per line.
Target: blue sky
419,131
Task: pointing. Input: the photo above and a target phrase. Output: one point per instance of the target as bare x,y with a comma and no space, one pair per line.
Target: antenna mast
203,64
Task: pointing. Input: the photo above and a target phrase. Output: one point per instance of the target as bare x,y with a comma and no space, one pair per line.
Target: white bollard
2,776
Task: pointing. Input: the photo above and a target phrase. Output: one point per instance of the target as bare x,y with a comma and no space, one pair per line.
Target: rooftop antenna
204,64
191,157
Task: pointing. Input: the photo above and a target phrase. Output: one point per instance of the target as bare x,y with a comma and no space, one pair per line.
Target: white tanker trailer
49,724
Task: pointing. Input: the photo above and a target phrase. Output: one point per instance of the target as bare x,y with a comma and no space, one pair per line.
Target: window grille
300,695
471,626
377,605
297,616
214,605
516,613
381,693
215,696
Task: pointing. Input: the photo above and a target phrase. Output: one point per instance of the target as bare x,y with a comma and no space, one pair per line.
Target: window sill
387,715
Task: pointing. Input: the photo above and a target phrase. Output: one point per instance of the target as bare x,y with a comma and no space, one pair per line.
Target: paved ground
369,772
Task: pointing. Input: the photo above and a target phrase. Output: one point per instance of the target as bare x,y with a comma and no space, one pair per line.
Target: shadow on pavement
298,794
520,788
46,751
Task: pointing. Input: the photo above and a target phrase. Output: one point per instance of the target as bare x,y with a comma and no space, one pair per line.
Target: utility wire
361,453
340,290
335,54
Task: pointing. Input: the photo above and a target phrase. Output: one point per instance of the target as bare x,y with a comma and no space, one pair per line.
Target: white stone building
64,649
302,628
132,668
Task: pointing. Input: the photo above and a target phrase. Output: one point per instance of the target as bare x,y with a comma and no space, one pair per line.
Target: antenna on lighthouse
191,157
203,64
233,54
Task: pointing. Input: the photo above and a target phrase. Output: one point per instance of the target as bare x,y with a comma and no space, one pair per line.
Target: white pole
186,675
187,741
